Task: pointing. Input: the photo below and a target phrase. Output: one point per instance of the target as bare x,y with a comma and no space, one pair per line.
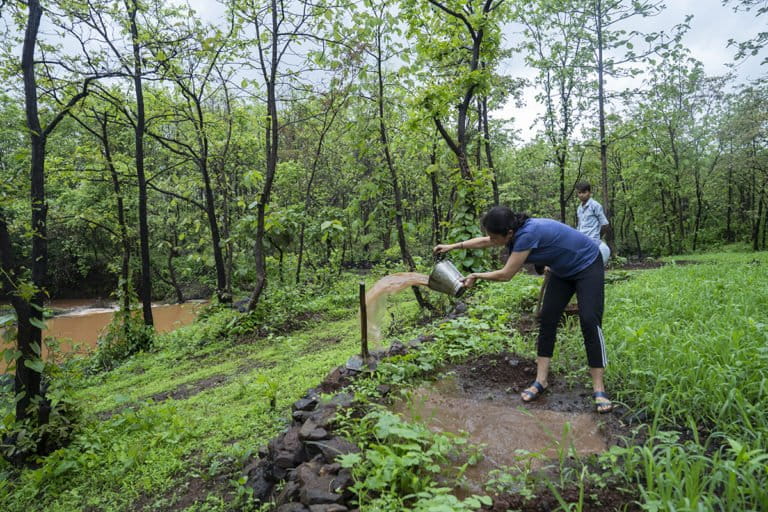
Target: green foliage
125,336
399,464
32,437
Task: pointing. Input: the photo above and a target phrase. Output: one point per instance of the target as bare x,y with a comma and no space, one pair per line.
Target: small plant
268,388
399,465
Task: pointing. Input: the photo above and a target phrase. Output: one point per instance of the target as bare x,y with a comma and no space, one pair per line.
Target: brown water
376,297
514,437
82,321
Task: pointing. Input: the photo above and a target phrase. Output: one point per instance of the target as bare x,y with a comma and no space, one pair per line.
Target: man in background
592,219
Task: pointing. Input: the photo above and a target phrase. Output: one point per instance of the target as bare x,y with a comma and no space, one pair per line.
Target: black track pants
589,286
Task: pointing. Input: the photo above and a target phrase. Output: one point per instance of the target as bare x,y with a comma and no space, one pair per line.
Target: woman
575,266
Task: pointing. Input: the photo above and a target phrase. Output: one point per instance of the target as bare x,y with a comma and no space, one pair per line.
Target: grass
688,350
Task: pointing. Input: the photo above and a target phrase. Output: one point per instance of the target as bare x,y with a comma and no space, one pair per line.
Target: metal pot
446,278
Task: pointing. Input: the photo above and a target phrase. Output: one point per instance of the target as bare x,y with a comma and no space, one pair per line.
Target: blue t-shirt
565,250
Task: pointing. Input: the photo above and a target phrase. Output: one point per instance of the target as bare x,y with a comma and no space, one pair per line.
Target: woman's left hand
469,281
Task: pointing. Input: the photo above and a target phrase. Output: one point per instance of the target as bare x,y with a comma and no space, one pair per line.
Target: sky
711,28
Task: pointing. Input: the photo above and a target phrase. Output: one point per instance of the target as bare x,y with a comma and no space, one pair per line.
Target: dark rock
306,428
316,489
335,380
383,389
311,432
260,479
342,483
318,435
289,451
292,507
328,508
397,349
290,493
330,469
316,496
305,404
301,416
335,446
324,417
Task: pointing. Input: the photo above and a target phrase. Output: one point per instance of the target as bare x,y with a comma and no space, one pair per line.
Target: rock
289,450
306,428
289,494
311,432
260,479
316,489
292,507
335,380
318,435
316,496
396,349
328,508
335,446
305,404
383,389
301,416
330,469
355,363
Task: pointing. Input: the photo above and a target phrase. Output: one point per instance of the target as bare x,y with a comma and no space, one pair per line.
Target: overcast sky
711,28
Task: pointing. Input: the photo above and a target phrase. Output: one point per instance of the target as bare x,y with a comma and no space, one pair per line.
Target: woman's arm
510,268
480,242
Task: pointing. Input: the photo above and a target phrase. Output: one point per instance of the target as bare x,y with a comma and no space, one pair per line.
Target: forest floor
174,429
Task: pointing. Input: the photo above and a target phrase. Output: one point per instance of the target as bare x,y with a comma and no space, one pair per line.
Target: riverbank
76,324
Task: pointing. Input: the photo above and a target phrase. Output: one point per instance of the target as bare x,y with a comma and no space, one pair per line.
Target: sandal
532,396
602,406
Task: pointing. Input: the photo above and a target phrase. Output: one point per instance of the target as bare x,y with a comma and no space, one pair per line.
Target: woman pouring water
575,266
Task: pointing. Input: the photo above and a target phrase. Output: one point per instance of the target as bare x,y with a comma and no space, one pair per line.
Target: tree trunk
729,235
271,145
29,337
125,279
601,121
139,129
404,253
436,237
172,276
488,152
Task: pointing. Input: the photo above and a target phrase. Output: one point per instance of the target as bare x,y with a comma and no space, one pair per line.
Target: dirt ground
494,376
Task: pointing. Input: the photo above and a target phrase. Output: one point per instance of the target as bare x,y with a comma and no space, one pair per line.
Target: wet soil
482,396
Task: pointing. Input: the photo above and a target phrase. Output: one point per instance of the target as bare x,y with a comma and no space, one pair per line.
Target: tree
196,54
557,46
752,46
460,40
277,27
29,292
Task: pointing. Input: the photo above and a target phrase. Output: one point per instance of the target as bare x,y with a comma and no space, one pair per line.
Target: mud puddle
481,397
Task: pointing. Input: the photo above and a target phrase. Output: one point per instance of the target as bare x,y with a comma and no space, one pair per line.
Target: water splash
376,297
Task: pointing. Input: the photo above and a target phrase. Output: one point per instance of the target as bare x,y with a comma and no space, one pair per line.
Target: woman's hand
442,248
469,281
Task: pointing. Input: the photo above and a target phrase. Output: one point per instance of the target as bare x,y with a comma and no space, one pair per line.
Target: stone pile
303,457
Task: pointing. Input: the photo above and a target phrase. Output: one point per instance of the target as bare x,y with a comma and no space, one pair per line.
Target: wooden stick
363,325
541,293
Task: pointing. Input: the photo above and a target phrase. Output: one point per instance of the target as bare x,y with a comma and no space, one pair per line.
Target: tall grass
690,349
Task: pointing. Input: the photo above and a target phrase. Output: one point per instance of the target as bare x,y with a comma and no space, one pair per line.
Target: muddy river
78,323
